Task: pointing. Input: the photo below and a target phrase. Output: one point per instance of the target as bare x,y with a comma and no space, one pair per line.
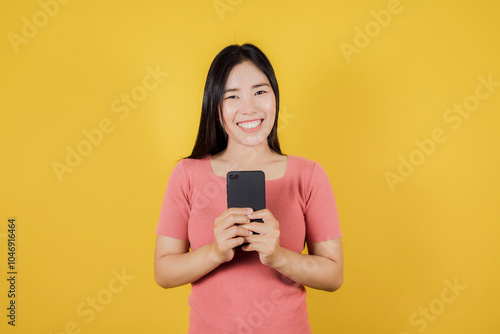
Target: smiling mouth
250,124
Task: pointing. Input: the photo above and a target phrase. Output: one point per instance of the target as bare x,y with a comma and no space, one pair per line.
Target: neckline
208,159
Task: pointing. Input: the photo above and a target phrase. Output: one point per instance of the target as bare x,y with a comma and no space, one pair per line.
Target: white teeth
250,125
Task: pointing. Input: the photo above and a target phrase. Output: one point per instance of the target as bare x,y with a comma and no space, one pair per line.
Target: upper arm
166,245
320,213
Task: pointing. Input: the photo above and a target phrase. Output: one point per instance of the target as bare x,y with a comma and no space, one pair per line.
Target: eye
260,92
231,97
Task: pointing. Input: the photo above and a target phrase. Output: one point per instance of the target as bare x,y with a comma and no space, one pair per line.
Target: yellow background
356,118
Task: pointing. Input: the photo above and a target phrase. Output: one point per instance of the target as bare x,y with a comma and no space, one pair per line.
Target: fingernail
249,210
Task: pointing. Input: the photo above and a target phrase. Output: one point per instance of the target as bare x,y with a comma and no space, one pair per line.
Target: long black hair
211,137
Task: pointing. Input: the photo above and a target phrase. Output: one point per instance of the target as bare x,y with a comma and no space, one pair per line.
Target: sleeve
321,216
174,214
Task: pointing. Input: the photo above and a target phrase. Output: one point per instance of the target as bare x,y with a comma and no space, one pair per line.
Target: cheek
229,109
269,105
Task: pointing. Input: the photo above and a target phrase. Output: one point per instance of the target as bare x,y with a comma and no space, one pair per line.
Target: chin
257,140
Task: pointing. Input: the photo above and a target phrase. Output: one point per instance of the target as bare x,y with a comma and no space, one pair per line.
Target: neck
246,155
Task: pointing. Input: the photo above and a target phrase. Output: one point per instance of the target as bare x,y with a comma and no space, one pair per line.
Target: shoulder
303,165
185,172
308,172
190,166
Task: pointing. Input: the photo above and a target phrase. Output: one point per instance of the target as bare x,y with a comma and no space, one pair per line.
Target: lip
251,120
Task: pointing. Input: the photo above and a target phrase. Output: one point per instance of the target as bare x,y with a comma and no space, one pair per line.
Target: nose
247,106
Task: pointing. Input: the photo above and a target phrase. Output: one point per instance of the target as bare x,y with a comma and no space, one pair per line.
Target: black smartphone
246,189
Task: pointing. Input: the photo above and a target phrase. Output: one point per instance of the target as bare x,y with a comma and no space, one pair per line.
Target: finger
230,214
231,243
264,239
235,242
233,232
242,232
258,228
247,235
235,211
254,246
263,214
231,220
248,248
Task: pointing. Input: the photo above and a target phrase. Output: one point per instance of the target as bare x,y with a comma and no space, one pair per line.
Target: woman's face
248,106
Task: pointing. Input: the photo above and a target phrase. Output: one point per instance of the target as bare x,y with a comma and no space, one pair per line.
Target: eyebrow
253,87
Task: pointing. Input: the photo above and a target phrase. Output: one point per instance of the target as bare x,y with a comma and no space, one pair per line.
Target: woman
247,277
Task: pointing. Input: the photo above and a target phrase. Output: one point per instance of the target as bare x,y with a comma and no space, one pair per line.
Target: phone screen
246,189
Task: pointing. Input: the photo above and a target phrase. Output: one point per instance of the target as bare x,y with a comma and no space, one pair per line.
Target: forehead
245,74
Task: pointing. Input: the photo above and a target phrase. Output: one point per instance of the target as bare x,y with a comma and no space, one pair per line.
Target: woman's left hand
267,242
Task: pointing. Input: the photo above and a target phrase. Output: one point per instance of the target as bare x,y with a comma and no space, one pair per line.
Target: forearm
173,270
314,271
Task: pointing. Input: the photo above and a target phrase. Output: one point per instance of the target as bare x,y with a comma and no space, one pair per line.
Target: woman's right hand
229,234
